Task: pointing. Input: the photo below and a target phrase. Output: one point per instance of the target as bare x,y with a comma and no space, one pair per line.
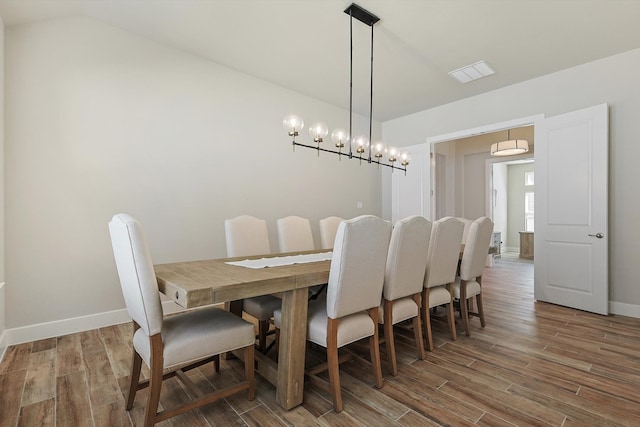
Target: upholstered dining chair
442,263
469,282
403,282
328,230
246,236
174,344
294,234
350,311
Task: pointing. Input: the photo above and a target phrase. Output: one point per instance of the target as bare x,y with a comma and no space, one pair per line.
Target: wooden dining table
198,283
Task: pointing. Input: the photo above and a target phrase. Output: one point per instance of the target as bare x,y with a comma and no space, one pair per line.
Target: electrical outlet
359,205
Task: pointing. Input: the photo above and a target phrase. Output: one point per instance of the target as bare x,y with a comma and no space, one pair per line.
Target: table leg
293,338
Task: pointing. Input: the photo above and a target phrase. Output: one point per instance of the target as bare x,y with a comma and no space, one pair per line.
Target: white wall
2,282
612,80
101,121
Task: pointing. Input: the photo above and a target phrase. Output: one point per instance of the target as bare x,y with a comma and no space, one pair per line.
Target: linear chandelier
359,147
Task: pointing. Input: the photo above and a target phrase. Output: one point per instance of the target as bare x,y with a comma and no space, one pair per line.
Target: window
528,210
528,178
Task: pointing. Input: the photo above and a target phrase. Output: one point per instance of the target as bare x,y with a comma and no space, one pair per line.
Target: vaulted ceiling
304,44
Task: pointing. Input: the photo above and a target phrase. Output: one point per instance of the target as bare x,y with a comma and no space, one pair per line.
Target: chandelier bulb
293,124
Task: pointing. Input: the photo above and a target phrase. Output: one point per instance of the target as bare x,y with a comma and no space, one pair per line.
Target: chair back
476,248
444,252
294,234
357,265
465,232
328,230
407,258
246,236
135,269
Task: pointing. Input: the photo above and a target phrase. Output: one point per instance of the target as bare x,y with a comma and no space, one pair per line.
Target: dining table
193,284
197,283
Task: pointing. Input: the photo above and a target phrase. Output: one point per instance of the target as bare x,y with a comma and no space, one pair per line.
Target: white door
411,193
571,241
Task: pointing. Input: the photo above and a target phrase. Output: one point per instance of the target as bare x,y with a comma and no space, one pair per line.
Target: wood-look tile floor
533,364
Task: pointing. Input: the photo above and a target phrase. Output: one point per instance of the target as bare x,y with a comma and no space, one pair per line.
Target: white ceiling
304,44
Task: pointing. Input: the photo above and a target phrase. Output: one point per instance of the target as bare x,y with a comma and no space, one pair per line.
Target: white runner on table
282,260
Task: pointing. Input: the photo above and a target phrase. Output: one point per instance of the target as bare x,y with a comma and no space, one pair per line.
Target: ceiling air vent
472,72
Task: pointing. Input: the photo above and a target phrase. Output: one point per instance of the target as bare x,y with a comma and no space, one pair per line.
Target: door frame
490,128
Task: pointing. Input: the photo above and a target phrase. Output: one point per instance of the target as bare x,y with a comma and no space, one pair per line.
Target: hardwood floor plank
111,415
11,384
118,349
260,416
68,355
40,382
413,419
103,386
41,414
73,407
16,357
45,344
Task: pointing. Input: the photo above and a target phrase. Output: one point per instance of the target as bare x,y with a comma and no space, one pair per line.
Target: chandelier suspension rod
371,97
350,81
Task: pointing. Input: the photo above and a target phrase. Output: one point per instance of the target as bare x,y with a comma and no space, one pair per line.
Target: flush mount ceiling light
359,147
472,72
510,147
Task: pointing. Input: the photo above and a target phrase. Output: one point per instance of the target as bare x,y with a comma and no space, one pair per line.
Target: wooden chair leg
249,367
426,318
263,328
155,380
451,317
136,365
388,337
480,309
417,329
333,365
479,301
464,310
374,348
216,364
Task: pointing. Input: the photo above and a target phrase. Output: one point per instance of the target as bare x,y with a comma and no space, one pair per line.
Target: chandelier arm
339,153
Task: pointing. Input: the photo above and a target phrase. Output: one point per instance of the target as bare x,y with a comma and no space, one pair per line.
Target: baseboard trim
624,309
3,344
75,324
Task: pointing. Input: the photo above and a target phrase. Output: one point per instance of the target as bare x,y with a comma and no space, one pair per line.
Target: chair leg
263,328
388,337
417,329
374,348
479,301
333,364
134,380
136,365
249,367
464,310
451,317
216,364
426,318
155,380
